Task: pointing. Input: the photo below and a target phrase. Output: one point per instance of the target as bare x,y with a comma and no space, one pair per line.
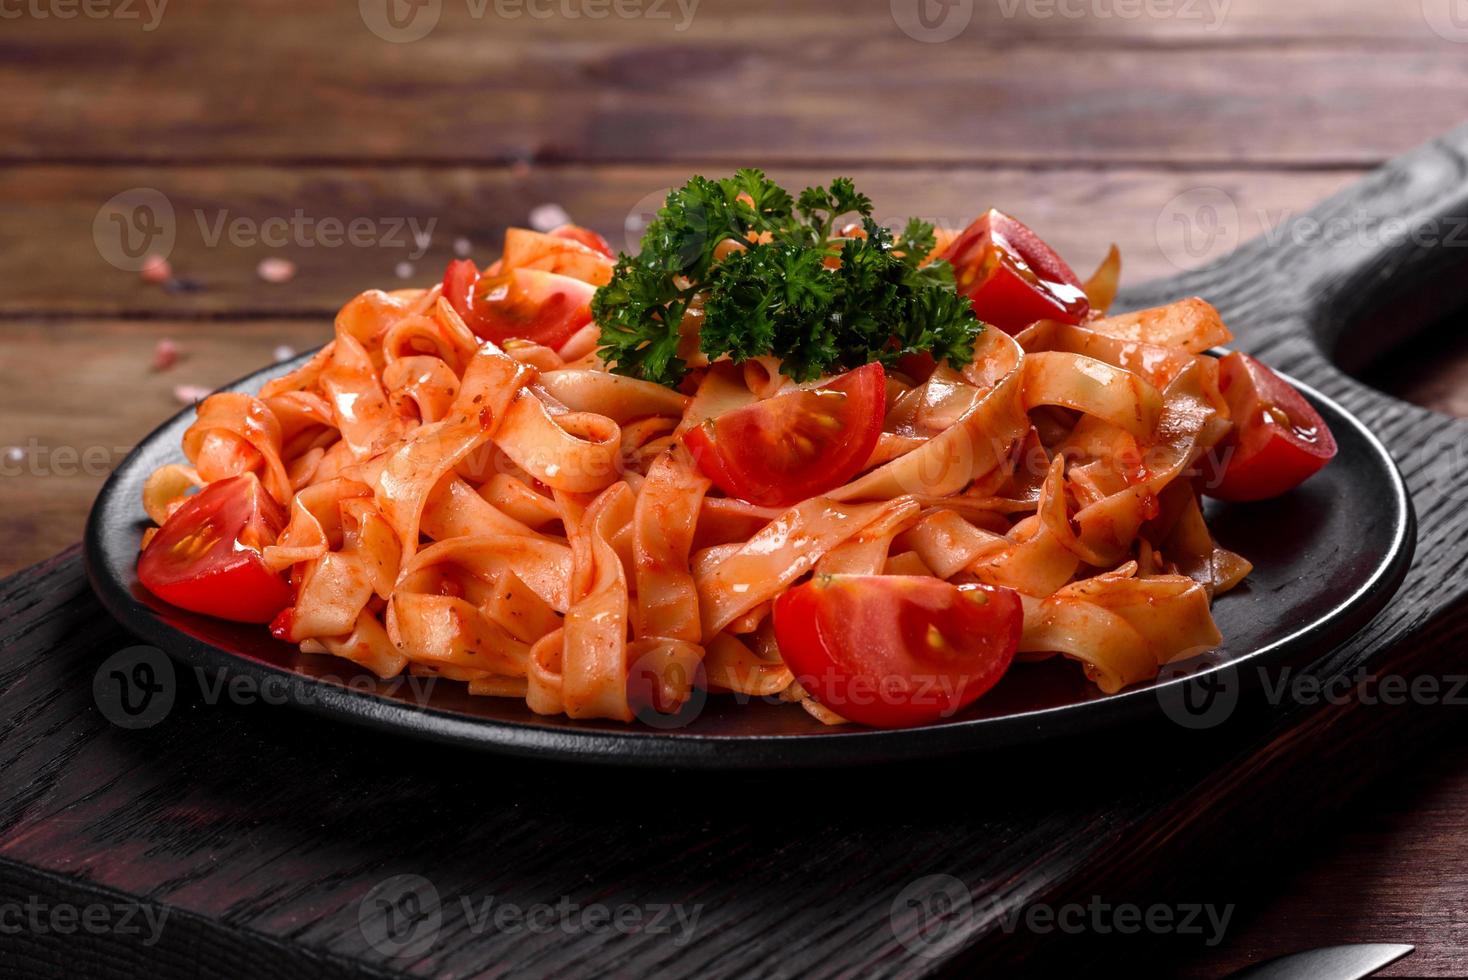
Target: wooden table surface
322,134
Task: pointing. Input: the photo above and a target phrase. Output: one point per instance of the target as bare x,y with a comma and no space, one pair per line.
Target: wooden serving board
274,842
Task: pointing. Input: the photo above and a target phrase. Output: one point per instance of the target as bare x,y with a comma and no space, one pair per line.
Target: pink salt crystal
276,270
165,355
156,269
283,353
462,247
546,217
190,394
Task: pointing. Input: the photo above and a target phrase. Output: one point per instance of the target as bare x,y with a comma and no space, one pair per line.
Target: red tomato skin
840,635
1264,458
230,582
709,459
458,285
737,464
245,591
919,367
586,237
542,307
989,258
521,304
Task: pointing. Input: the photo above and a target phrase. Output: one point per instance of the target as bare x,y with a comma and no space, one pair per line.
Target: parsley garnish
776,293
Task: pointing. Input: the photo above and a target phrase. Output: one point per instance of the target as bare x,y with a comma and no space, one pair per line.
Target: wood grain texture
1392,871
257,819
762,83
348,229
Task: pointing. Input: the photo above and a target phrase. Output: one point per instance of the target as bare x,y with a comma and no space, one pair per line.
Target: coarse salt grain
190,394
14,454
546,217
156,269
165,355
276,270
404,270
462,247
284,353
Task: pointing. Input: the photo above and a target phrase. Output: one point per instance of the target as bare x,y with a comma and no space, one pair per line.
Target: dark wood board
263,829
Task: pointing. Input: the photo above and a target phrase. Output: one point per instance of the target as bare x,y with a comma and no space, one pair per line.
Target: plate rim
641,747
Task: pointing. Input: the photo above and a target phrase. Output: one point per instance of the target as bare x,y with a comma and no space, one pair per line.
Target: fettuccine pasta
509,513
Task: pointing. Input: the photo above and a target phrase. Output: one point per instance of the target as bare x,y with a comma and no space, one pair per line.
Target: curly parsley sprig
778,293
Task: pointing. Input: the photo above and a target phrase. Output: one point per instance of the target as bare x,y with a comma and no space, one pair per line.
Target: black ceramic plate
1327,558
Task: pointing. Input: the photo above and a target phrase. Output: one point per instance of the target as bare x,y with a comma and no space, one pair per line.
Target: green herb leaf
777,292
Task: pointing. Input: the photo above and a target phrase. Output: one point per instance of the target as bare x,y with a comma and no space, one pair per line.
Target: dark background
1176,128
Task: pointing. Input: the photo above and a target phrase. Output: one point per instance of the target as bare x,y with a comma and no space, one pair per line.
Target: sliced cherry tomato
586,237
1279,441
526,304
919,366
206,556
458,285
1012,276
525,249
781,450
897,650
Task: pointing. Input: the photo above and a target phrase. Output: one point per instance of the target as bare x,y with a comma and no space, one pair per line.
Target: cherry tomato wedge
525,304
897,650
525,249
781,450
586,237
919,366
206,556
458,285
1012,276
1279,441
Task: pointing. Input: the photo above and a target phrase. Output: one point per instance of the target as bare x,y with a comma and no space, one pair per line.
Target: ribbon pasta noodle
516,517
405,555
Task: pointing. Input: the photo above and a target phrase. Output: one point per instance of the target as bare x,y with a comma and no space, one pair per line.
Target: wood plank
1154,214
1392,869
809,86
75,396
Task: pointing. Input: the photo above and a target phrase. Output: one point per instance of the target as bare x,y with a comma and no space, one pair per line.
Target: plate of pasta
787,486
